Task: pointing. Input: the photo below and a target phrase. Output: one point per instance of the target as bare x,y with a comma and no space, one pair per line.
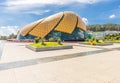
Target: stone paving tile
25,76
8,76
115,81
63,72
27,66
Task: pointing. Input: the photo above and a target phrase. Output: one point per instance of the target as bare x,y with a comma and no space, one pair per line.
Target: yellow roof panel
81,24
68,23
24,31
43,28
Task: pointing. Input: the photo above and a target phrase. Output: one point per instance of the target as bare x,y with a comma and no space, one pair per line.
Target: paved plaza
82,64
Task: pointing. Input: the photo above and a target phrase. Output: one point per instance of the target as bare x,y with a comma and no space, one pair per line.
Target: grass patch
46,44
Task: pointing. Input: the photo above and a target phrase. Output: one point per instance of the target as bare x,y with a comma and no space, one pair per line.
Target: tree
103,27
12,36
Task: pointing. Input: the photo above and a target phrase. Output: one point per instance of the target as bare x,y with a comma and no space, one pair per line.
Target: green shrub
51,39
36,40
105,38
42,41
59,41
87,40
101,41
93,39
97,40
117,38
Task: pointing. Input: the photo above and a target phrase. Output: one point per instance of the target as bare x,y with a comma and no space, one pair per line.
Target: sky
15,14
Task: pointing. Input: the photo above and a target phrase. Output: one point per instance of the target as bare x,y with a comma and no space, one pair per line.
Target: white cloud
112,16
85,20
37,12
26,4
31,6
7,30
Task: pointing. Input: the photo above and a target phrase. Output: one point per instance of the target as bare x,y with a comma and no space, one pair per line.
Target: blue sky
14,14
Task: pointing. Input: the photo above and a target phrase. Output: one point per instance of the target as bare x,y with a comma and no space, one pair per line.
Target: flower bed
97,44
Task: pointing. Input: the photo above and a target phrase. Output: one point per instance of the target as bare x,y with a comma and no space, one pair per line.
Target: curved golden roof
63,22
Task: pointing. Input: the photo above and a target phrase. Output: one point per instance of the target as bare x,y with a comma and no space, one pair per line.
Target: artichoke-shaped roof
63,22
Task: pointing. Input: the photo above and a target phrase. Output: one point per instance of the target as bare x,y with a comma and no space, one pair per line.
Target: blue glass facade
76,35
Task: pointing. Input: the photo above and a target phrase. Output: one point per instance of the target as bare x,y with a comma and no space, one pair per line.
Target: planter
48,48
115,42
107,44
